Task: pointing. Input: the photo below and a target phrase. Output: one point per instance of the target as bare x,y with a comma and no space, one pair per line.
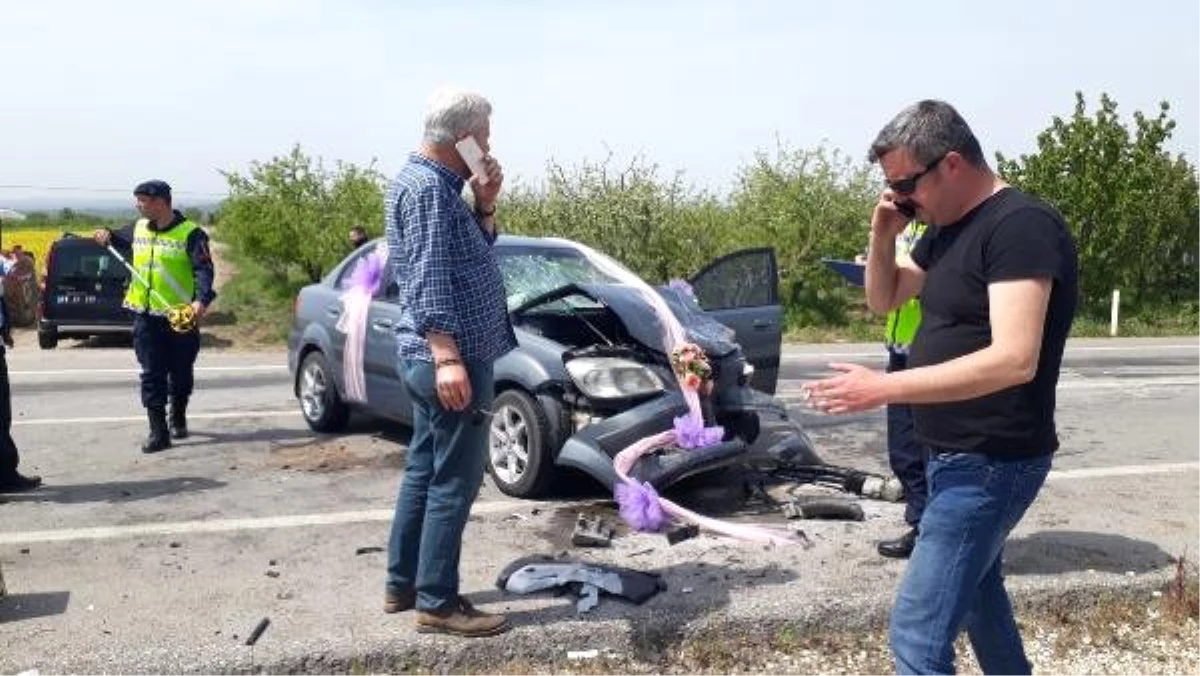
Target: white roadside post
1116,311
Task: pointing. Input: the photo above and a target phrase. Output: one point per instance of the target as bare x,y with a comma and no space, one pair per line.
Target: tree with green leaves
1133,207
291,215
808,204
659,228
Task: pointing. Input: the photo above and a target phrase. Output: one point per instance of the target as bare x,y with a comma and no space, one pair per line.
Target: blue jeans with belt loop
443,471
953,580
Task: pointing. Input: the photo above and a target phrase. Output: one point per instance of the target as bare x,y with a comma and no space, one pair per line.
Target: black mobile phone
905,207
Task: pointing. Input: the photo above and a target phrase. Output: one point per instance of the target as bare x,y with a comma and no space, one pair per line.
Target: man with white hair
454,326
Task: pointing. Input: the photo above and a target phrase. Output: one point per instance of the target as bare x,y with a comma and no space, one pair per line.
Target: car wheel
519,445
47,339
322,406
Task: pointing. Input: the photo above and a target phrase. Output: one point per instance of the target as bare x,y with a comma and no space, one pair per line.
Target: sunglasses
907,186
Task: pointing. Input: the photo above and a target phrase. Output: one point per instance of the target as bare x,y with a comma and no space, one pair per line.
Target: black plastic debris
823,508
591,532
258,631
681,533
367,550
855,482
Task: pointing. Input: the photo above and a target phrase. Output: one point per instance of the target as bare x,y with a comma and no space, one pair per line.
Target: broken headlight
612,378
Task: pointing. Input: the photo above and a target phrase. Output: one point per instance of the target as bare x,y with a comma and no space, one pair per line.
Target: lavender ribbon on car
361,286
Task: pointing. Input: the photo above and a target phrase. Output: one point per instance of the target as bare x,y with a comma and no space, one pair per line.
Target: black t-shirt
1009,236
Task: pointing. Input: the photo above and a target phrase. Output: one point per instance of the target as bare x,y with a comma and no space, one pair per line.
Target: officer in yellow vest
906,455
171,253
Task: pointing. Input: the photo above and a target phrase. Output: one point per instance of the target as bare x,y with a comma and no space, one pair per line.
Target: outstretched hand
856,388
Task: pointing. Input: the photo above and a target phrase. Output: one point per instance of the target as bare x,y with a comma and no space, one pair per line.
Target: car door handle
333,310
762,324
383,324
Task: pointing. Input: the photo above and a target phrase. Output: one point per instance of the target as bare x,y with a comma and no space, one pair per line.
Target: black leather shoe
901,547
18,482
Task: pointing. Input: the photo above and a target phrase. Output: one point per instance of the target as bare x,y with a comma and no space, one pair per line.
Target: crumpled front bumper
757,425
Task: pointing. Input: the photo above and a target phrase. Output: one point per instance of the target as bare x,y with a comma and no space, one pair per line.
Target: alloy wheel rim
509,444
312,392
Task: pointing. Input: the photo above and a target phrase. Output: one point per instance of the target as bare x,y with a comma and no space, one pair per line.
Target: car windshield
531,271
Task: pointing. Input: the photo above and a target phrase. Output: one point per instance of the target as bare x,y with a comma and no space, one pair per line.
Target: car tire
320,403
519,447
47,339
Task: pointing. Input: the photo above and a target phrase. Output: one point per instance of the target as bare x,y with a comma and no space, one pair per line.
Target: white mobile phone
472,154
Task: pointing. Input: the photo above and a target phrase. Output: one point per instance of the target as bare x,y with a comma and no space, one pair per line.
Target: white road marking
382,515
134,371
234,415
227,525
881,354
1126,470
792,393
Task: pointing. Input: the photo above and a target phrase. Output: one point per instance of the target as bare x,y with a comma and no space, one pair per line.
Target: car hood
640,319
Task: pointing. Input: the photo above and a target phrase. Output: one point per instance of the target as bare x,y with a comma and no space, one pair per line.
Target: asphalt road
131,563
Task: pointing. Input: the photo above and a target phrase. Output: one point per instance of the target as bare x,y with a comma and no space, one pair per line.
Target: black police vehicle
82,292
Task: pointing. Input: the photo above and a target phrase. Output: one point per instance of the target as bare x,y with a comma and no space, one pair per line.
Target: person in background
358,236
11,480
906,455
172,254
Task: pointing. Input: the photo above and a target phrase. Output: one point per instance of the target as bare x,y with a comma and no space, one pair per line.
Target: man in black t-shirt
997,275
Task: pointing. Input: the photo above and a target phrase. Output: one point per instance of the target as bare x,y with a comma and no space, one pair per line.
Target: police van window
88,264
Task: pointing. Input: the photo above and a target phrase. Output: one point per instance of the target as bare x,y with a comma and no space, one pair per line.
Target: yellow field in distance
35,242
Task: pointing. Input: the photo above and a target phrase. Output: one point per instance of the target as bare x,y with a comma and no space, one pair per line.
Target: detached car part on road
589,375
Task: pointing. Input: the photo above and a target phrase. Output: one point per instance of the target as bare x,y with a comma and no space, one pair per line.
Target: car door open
741,290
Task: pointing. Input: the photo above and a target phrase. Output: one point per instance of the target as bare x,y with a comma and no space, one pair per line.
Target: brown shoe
461,620
399,601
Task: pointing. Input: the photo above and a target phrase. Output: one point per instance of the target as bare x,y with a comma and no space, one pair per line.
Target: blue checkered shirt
442,259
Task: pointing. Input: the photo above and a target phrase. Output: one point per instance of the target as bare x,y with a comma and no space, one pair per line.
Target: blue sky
103,95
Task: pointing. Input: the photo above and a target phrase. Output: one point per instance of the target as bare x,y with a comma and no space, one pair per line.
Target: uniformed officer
906,455
171,254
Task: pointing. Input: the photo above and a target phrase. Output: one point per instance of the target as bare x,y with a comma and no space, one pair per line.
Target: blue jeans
906,455
953,579
443,471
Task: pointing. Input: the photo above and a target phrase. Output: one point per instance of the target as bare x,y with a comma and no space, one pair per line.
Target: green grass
254,308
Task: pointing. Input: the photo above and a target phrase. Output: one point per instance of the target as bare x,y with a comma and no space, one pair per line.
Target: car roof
543,242
522,241
71,239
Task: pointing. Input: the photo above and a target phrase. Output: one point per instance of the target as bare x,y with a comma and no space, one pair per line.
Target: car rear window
86,262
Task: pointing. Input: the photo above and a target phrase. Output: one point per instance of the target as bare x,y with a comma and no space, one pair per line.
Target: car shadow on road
16,607
694,590
113,491
1053,552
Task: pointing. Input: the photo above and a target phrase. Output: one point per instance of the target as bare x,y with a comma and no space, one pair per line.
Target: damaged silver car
590,375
